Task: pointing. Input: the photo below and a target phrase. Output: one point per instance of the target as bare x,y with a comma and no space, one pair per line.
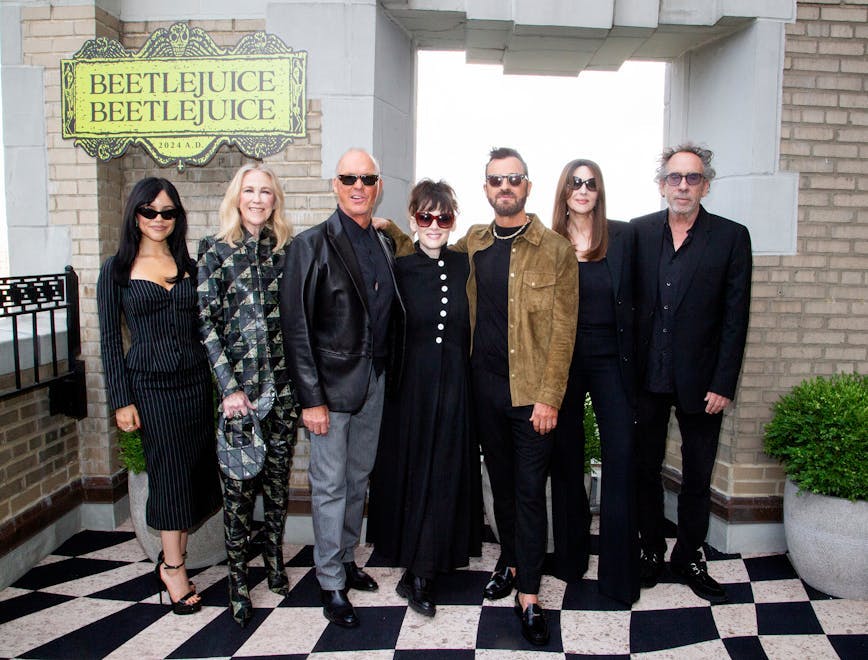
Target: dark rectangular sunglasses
496,180
577,182
150,214
350,179
424,219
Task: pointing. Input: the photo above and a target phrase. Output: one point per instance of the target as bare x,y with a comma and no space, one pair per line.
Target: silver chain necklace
512,235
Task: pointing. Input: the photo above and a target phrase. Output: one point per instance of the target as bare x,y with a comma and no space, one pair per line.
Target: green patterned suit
240,327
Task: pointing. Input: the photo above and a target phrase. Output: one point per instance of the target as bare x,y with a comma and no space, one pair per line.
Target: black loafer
500,585
650,568
358,579
534,626
338,609
417,591
695,575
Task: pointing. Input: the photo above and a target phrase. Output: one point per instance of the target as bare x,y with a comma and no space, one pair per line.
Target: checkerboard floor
94,597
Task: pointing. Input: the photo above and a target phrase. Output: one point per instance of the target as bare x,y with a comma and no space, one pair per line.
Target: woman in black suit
602,365
163,385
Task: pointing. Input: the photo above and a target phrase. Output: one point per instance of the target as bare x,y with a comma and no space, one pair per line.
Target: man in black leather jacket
336,298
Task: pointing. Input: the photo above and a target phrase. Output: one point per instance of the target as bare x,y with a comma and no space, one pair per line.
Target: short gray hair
704,154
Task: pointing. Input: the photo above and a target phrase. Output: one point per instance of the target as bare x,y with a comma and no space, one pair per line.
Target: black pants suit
602,366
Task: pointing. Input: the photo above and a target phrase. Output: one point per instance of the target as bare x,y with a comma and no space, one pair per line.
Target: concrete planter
488,504
827,540
206,545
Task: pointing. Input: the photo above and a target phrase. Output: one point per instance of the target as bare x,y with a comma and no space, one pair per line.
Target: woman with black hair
163,385
425,510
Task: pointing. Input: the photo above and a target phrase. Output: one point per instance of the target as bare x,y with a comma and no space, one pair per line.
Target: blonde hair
230,216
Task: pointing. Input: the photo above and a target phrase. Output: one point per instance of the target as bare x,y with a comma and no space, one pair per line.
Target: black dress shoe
338,609
534,627
650,568
417,591
358,579
695,575
500,585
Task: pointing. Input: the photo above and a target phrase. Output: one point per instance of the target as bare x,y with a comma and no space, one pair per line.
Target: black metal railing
34,302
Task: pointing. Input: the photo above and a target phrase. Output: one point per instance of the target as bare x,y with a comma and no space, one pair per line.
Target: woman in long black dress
425,503
602,365
163,385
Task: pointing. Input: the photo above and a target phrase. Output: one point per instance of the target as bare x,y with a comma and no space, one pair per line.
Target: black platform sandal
182,605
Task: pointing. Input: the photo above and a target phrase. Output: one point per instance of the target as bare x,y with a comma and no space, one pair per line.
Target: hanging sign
181,96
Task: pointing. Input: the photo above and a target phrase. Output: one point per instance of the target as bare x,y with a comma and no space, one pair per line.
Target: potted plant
820,433
205,545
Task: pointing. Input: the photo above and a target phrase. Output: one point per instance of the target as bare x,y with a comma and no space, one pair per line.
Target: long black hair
142,194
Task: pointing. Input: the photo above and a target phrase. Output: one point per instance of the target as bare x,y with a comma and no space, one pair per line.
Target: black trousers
699,437
618,573
517,459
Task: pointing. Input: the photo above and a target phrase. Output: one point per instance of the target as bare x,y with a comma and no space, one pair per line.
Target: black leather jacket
326,327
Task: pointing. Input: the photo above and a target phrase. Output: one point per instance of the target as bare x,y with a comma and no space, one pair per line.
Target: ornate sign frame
181,97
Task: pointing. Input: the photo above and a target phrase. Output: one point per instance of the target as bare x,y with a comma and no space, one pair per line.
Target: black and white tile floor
94,597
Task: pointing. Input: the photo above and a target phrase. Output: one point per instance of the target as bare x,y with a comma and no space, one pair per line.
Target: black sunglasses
350,179
674,178
150,214
577,182
496,180
424,219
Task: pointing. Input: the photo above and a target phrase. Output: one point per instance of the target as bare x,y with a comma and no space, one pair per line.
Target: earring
137,223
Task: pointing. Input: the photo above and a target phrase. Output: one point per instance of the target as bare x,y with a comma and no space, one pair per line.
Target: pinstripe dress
166,375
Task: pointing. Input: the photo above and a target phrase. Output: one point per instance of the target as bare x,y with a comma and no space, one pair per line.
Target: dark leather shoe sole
493,591
425,608
715,596
341,619
537,636
648,581
649,574
362,585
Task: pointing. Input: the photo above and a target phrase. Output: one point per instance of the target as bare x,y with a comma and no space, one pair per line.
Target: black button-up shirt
659,376
377,276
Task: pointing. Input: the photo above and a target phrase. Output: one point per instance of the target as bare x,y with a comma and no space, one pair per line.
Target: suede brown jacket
543,307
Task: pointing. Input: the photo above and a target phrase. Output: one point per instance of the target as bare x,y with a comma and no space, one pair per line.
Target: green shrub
131,452
820,433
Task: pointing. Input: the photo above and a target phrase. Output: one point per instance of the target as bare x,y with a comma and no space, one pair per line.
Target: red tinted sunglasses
424,219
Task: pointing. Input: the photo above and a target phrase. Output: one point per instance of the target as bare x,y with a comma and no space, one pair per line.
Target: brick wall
38,456
87,196
809,312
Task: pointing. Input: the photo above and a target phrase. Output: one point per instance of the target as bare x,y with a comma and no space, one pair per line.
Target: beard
507,206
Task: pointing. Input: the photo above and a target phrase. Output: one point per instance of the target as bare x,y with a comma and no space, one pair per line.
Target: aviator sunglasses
496,180
674,178
424,219
350,179
576,182
150,214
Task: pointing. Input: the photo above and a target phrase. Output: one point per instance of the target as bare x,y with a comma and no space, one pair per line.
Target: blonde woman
239,272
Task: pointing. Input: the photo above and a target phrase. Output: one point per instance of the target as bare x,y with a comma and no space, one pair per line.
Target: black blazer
324,313
620,259
711,311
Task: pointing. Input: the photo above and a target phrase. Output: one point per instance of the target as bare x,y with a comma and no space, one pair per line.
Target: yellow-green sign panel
182,96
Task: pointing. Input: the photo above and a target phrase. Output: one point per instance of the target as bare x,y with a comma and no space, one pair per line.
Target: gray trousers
340,463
